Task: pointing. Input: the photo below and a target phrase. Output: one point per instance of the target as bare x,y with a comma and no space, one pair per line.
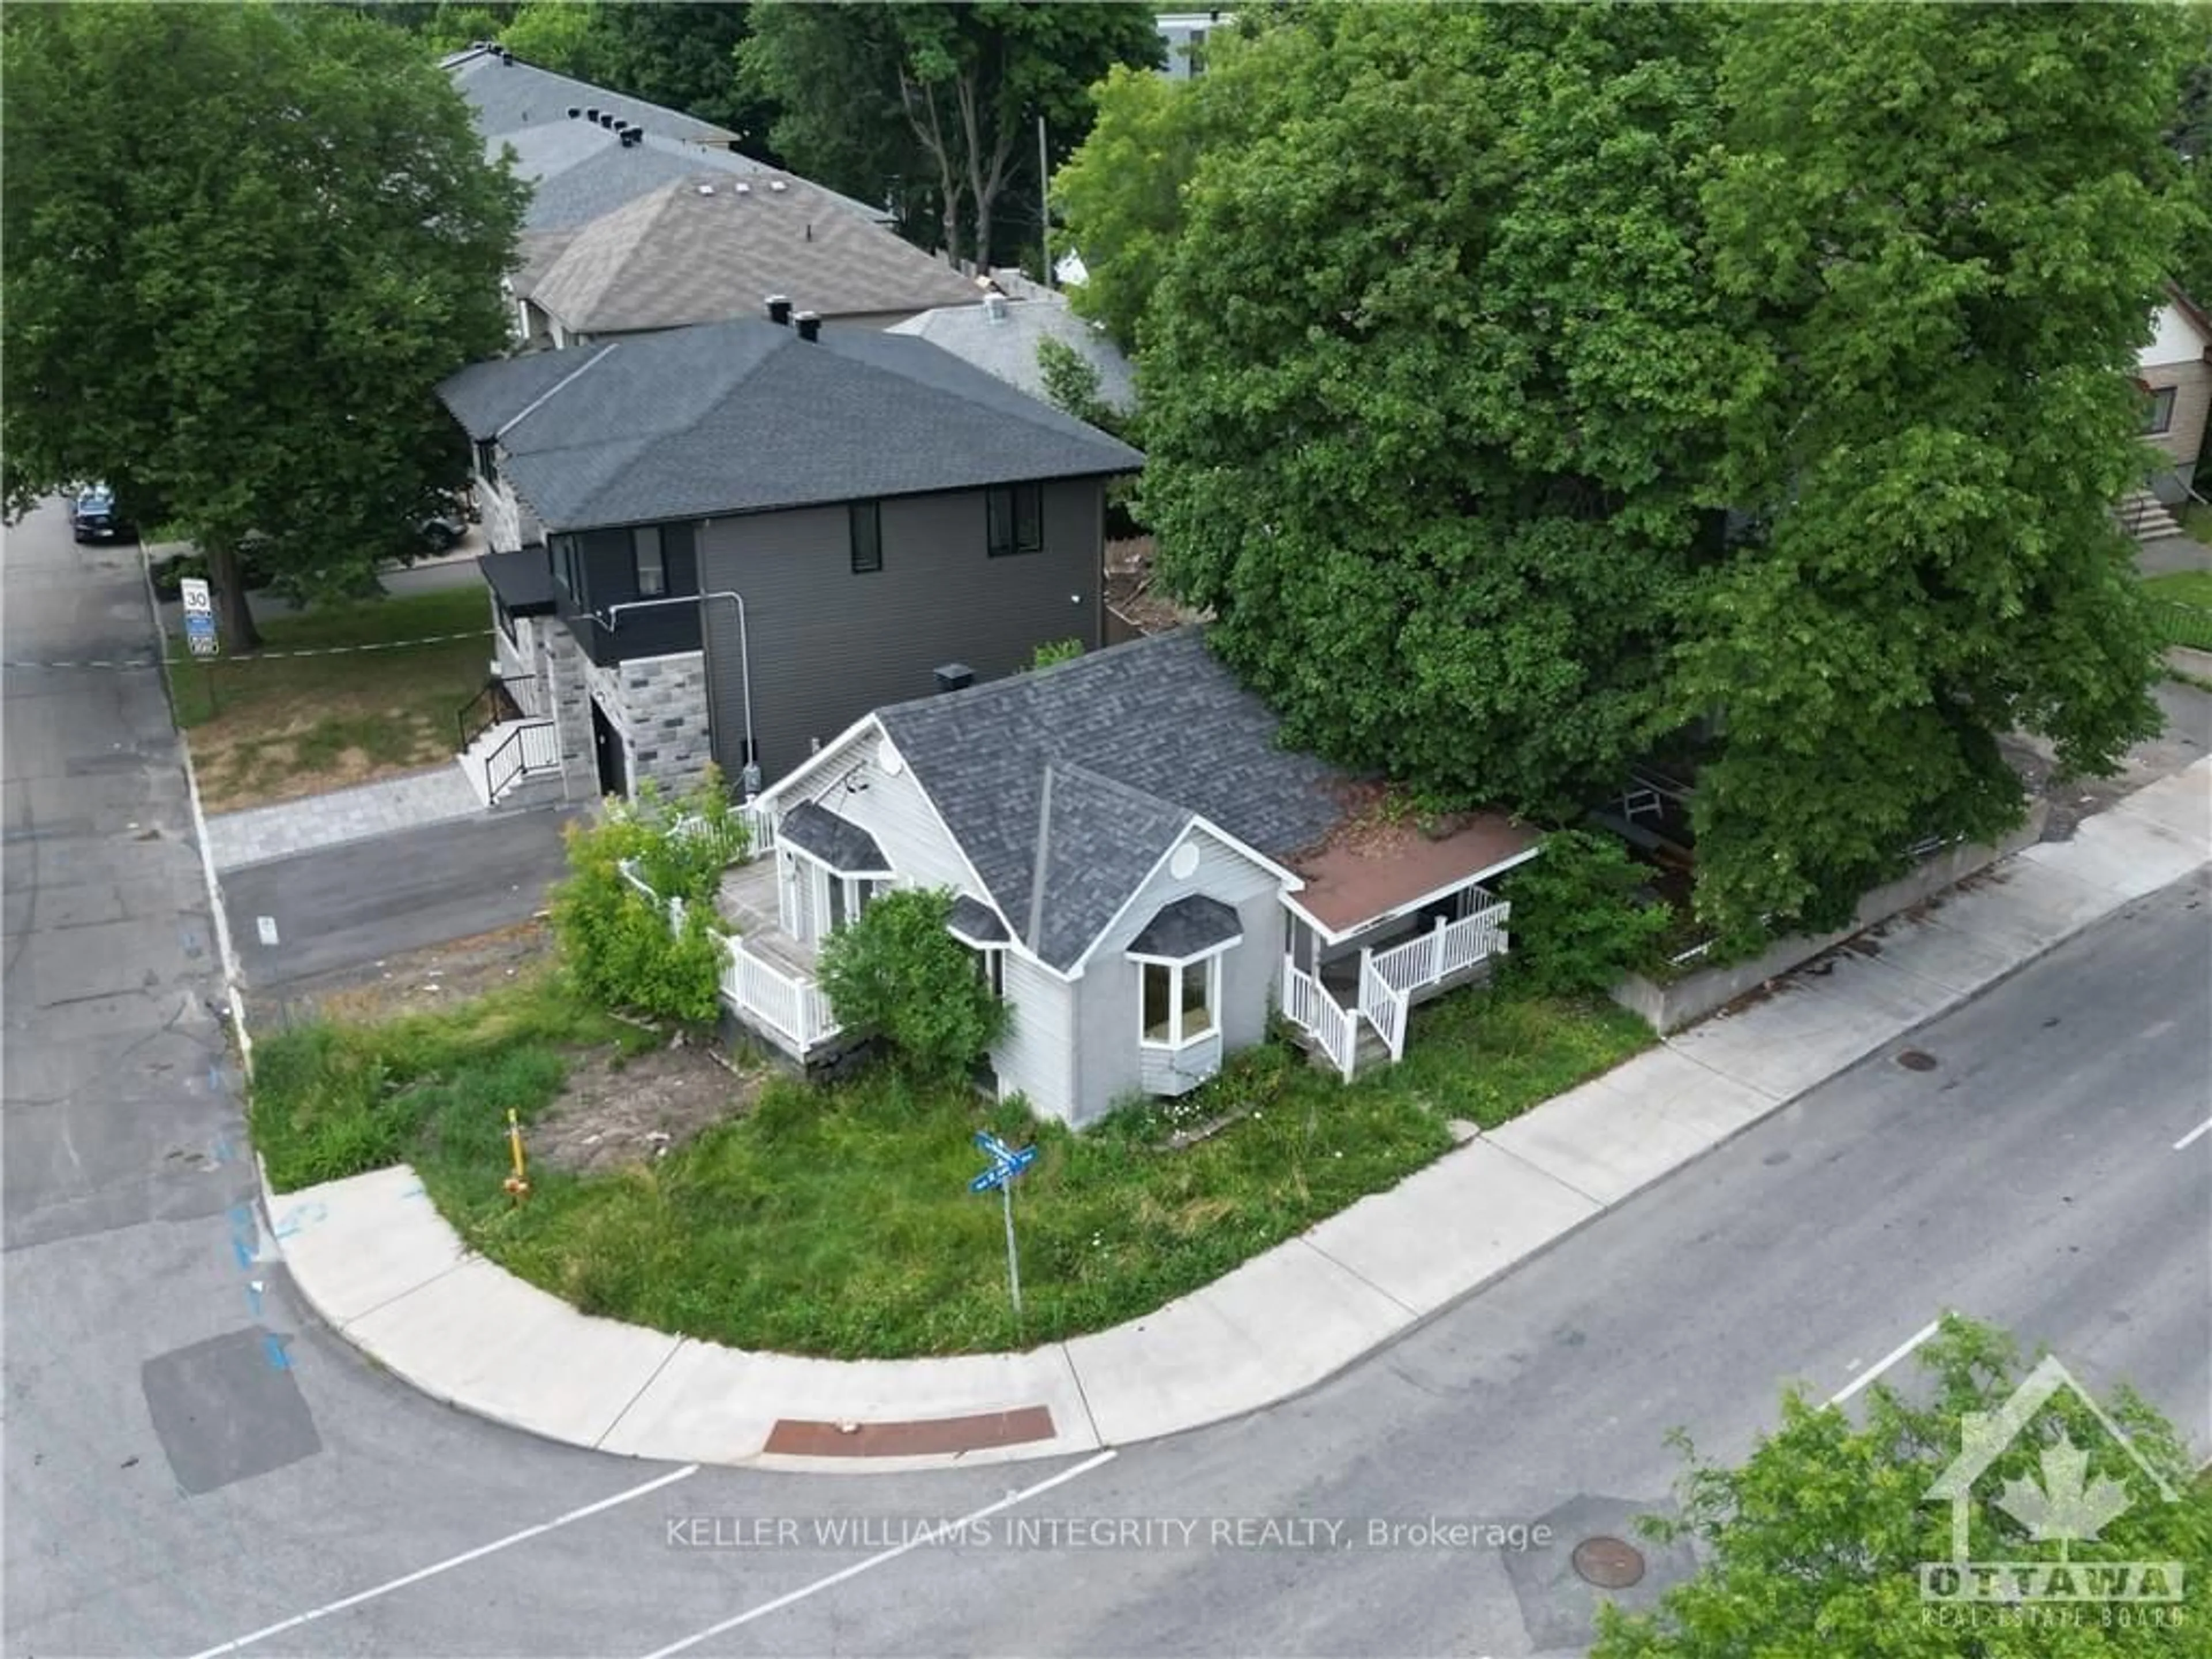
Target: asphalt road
177,1480
355,904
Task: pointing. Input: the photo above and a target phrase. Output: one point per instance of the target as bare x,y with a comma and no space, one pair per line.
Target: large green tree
1434,382
1947,228
947,96
243,247
1120,196
1814,1546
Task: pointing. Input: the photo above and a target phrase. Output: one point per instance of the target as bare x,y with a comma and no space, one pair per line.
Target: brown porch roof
1354,880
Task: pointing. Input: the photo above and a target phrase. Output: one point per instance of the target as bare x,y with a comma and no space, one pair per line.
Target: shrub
617,942
1055,651
896,972
1577,925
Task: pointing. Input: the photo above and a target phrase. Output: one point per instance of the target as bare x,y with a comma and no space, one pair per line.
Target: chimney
955,677
779,310
810,325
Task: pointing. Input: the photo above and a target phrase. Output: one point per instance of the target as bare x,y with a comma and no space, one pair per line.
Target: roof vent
592,116
778,186
633,138
706,190
955,677
574,113
779,309
995,307
741,188
810,325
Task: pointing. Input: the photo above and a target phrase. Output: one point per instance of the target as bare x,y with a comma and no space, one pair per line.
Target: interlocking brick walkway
262,833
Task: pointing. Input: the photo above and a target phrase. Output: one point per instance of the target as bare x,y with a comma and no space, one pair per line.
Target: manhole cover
1916,1059
1609,1562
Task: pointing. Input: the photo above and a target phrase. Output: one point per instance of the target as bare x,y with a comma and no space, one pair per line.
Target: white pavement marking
1885,1362
2195,1134
950,1529
449,1564
266,927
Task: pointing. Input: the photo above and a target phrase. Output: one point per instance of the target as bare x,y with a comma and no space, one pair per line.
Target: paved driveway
353,905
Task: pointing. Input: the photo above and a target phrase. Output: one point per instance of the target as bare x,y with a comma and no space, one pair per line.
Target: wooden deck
748,904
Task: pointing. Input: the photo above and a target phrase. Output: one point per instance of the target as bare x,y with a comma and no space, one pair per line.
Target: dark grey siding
827,645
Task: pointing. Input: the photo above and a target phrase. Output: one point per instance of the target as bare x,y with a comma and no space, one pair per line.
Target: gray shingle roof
1187,926
1134,741
1007,347
707,247
508,97
972,920
581,172
837,842
746,416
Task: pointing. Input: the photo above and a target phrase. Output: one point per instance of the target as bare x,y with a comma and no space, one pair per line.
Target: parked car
441,531
93,517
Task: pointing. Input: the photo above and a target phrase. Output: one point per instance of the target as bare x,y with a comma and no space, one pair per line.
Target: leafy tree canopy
1433,383
1525,385
942,97
243,247
1815,1545
896,972
1947,230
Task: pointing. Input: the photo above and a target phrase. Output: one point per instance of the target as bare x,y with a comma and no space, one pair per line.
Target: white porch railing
793,1008
1384,1004
1308,1006
1445,950
760,827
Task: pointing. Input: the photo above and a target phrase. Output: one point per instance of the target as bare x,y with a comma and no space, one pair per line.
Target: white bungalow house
1143,873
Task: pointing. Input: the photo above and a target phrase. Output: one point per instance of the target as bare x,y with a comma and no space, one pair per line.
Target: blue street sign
991,1144
1006,1164
992,1178
200,633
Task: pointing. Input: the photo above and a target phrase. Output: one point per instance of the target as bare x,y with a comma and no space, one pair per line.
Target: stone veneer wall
660,706
568,702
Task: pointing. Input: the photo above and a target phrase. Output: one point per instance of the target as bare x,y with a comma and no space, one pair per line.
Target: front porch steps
534,786
2146,517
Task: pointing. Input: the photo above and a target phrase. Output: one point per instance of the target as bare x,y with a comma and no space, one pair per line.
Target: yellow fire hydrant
517,1184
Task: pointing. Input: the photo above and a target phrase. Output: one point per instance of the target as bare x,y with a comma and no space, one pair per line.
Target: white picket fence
1308,1006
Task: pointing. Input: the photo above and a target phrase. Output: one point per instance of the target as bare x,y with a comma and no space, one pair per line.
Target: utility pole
1044,211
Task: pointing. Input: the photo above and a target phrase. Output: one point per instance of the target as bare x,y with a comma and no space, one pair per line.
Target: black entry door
614,778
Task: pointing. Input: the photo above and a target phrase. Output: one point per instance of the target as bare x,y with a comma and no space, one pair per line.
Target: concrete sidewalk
374,1259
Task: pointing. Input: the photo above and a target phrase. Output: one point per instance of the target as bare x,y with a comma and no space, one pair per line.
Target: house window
488,460
652,563
991,969
2160,419
1016,517
565,570
867,536
1178,1001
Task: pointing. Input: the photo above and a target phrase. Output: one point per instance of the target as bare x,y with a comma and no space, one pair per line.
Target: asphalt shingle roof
707,247
508,97
1188,926
1134,741
746,416
837,842
972,920
1006,346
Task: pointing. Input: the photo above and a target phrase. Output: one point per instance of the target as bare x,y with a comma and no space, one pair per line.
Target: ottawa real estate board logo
2065,1504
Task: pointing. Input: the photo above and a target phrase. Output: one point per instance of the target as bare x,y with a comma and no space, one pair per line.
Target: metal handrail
488,694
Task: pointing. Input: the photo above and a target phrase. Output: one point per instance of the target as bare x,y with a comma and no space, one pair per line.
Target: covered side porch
779,901
1385,925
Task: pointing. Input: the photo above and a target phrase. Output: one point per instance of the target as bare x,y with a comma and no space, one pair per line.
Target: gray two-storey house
730,541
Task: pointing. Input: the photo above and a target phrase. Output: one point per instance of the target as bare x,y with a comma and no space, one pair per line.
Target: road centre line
950,1529
450,1563
2193,1136
1883,1363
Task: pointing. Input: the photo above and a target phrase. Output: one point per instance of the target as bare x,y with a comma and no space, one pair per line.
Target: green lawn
2183,587
272,728
837,1221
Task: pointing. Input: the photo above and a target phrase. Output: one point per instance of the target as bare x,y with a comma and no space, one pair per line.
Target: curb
1949,1003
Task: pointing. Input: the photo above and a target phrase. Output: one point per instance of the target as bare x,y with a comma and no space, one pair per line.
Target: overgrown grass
2182,587
333,1100
837,1221
269,727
